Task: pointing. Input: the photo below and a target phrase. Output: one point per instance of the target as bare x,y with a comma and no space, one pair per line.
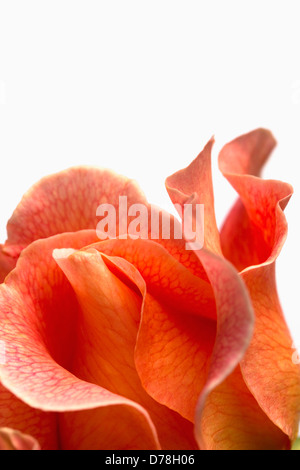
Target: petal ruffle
252,238
35,295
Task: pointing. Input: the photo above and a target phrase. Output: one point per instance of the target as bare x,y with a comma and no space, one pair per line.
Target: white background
140,86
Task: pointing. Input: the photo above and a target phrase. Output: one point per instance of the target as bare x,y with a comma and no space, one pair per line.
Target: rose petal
177,331
249,233
17,415
235,328
174,348
43,286
108,293
66,202
173,353
197,178
7,263
249,429
270,374
10,439
175,246
164,275
34,296
234,310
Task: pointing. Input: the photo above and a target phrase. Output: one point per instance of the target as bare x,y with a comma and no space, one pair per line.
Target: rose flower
143,343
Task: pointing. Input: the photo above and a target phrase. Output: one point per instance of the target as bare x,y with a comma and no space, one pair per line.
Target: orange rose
144,344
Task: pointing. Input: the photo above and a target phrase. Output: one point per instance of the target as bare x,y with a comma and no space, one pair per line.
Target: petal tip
62,253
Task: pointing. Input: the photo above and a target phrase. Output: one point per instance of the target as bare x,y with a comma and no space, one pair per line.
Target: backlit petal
252,238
